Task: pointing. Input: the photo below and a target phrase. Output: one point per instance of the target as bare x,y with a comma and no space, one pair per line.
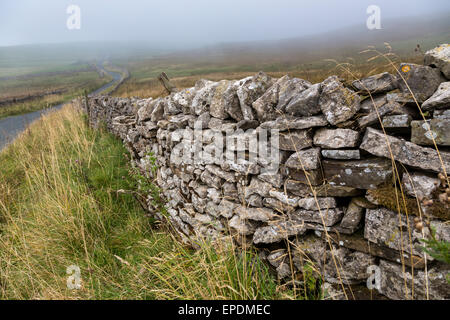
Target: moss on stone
385,196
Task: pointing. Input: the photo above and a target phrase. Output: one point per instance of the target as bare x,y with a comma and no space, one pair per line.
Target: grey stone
226,208
401,121
277,205
242,167
202,121
279,259
247,124
224,97
182,100
317,203
289,90
340,266
361,174
382,227
371,104
250,89
306,103
420,185
145,112
441,114
397,283
242,226
202,100
379,83
327,217
198,203
341,154
391,107
276,179
352,216
423,81
292,123
211,180
255,214
255,201
257,187
440,58
295,140
338,103
313,177
301,189
440,99
265,106
352,266
336,138
405,98
215,170
158,110
358,243
277,231
241,141
284,198
221,125
203,218
375,142
305,160
214,195
229,190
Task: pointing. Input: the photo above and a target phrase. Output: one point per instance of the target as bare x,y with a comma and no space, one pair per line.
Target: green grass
67,197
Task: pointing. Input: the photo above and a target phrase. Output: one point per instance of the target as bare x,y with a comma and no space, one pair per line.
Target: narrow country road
10,127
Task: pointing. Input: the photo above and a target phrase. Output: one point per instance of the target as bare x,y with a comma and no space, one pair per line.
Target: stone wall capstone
281,163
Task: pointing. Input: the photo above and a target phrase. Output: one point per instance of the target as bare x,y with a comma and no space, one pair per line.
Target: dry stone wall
323,187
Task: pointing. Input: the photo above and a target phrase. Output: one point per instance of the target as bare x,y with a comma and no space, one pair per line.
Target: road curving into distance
11,127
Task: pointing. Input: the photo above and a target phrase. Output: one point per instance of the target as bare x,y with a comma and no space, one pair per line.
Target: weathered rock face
336,139
265,106
432,285
306,103
295,140
278,231
379,83
401,121
225,101
430,132
311,185
420,185
440,99
272,104
249,90
341,154
305,160
360,174
291,123
383,227
439,58
422,80
338,103
405,152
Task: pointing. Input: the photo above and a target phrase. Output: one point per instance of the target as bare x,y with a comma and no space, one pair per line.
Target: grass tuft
60,206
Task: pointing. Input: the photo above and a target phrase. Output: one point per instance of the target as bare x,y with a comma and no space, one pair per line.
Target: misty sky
192,22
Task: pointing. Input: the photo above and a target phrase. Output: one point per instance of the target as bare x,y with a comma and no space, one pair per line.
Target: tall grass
60,205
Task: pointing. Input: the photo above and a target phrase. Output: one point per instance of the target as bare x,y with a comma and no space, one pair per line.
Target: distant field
31,79
30,85
143,76
313,65
32,93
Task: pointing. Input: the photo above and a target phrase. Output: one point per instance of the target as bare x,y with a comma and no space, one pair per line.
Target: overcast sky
194,22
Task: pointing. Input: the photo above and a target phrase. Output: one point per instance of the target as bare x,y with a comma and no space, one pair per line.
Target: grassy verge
60,205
